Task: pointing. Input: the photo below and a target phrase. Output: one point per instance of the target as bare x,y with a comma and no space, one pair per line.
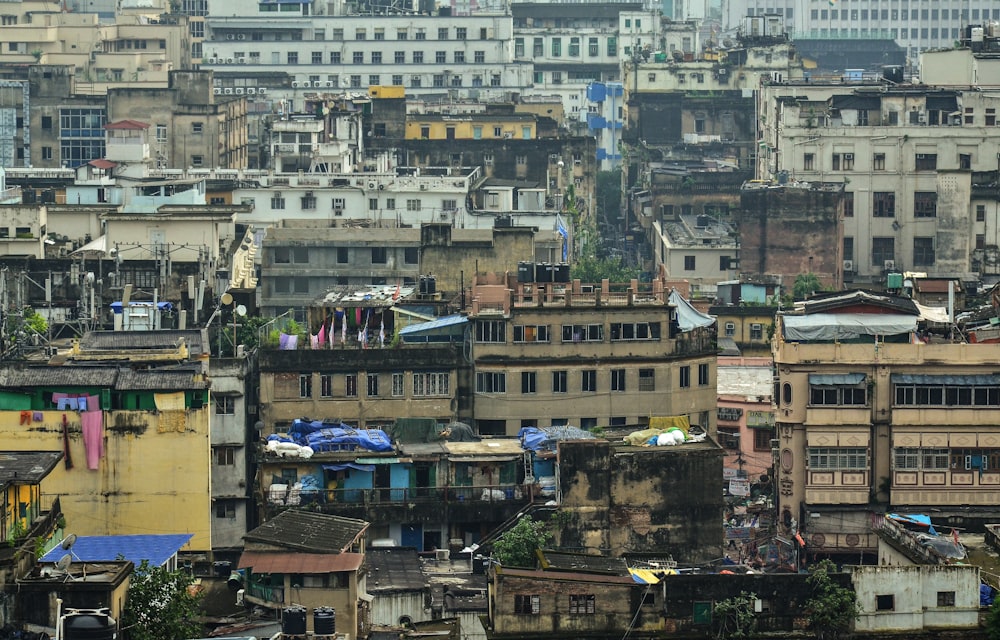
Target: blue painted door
413,536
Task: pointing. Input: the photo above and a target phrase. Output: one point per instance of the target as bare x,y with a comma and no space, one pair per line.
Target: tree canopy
805,285
832,608
160,605
517,546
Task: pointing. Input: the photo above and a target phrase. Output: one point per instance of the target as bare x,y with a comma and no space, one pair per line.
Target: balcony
425,504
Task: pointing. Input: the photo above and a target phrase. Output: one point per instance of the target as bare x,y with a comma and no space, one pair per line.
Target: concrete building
911,24
746,416
700,248
906,155
916,598
557,353
898,427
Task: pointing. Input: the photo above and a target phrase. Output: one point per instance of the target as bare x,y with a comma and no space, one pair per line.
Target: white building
916,25
916,598
907,155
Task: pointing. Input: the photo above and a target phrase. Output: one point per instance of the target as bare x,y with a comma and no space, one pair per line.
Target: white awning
98,245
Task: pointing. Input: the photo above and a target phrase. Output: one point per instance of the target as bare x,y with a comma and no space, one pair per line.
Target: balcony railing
488,494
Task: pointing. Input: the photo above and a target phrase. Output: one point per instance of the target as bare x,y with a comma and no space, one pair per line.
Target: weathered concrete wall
448,260
922,597
791,231
642,500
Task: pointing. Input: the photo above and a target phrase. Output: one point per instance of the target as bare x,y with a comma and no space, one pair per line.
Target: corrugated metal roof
272,562
27,467
309,532
156,548
127,340
440,323
155,380
394,569
21,376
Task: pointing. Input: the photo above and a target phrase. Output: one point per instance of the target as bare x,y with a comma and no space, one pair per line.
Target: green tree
517,546
159,605
993,621
734,618
608,191
247,331
806,284
832,609
590,268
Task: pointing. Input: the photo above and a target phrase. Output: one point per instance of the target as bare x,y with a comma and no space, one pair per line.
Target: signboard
739,487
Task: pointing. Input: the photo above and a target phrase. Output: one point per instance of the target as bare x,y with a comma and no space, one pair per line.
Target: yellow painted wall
147,482
464,128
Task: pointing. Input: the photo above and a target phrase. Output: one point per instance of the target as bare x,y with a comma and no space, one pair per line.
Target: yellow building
471,126
137,454
874,416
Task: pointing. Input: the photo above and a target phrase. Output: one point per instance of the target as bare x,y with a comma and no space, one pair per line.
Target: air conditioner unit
230,61
848,156
443,555
889,264
239,597
241,37
775,444
328,83
849,265
217,91
261,90
228,91
295,84
241,60
372,185
309,194
423,187
239,91
212,60
230,36
251,90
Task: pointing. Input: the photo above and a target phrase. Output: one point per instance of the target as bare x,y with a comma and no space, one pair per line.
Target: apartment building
556,353
913,24
870,419
906,155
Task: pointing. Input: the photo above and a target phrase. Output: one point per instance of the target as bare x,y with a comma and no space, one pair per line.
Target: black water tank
893,73
293,621
562,272
29,196
479,565
544,272
525,271
90,625
431,285
223,568
324,621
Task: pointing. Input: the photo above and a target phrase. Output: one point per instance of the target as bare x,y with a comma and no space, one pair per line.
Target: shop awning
835,379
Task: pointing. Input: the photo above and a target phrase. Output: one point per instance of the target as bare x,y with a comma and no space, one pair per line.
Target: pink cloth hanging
321,336
93,437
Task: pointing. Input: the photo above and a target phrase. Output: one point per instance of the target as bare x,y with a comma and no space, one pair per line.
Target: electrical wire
638,610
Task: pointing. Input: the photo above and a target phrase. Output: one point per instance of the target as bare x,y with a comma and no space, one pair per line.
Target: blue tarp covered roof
915,519
329,436
156,548
440,323
688,317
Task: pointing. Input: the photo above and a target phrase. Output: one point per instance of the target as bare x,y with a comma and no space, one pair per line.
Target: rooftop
27,467
394,569
371,296
700,230
156,549
309,532
130,341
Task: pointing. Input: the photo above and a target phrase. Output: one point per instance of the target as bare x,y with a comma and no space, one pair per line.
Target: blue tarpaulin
544,439
917,519
327,436
349,465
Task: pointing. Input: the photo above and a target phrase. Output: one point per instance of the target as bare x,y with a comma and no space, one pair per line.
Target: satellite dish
241,310
227,298
68,542
64,562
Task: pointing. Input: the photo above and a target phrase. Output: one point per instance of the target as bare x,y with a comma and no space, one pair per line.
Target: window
923,251
360,34
585,604
925,162
883,251
529,382
878,162
628,331
980,213
225,456
883,204
225,405
225,509
559,381
292,57
326,386
527,605
925,204
843,162
980,241
431,384
838,395
588,380
376,57
342,255
583,333
991,117
460,33
413,204
809,161
730,329
491,382
379,255
702,375
531,333
277,201
46,153
351,385
756,331
308,201
618,379
556,47
946,598
762,439
965,161
372,382
837,458
305,385
647,380
689,262
685,376
849,204
491,331
335,57
885,602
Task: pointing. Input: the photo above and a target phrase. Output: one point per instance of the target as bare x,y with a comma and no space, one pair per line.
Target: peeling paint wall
916,597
